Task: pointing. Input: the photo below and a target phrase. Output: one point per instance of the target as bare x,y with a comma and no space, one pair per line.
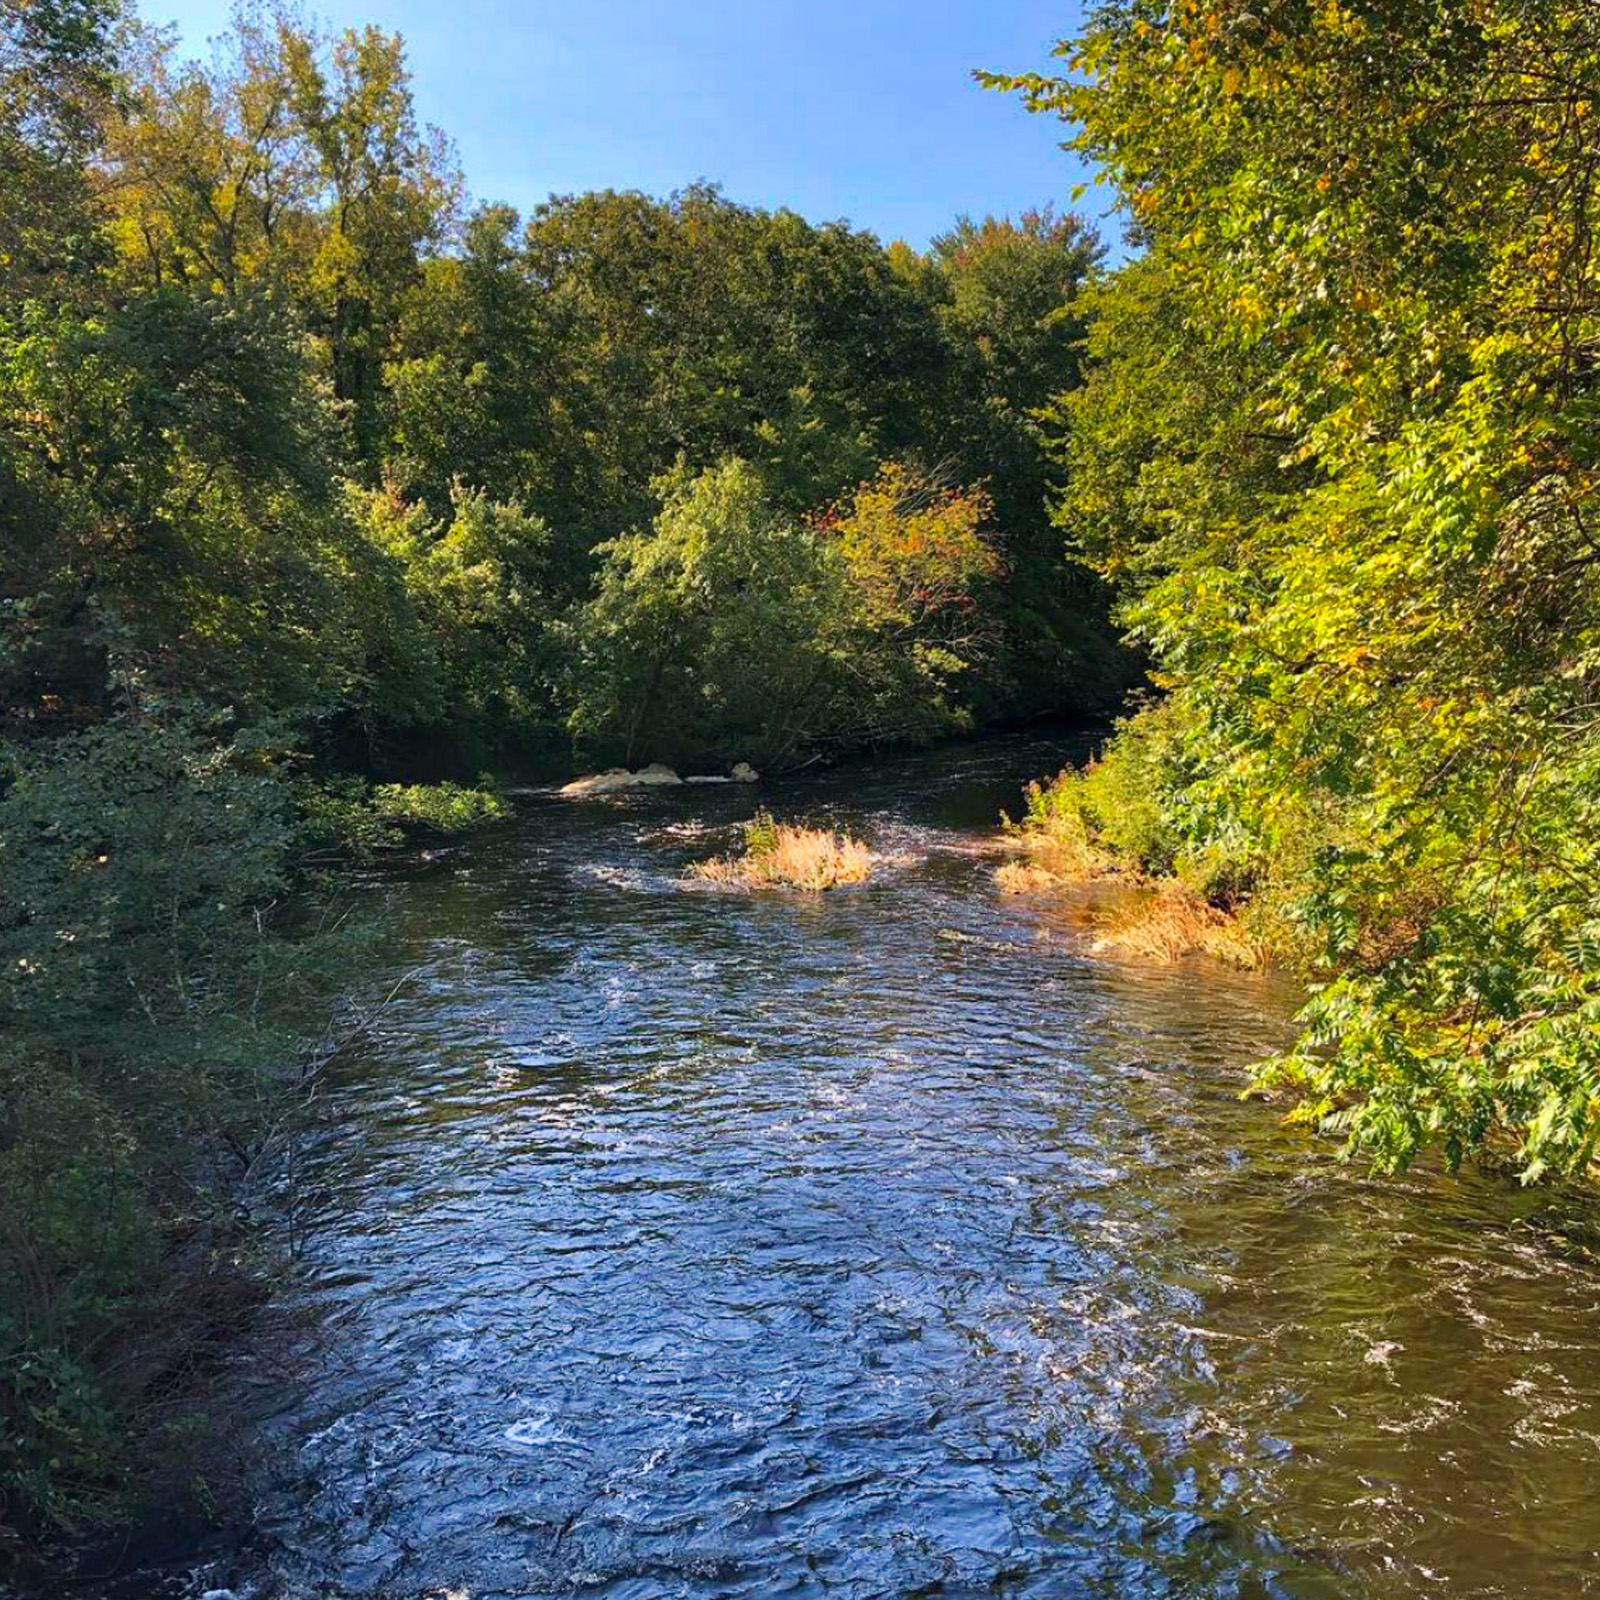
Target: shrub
1168,921
439,807
779,855
151,1008
346,817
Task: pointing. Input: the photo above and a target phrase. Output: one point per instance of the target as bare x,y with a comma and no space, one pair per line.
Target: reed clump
1093,837
1167,920
781,855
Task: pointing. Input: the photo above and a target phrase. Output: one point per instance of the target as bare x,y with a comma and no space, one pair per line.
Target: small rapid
880,1243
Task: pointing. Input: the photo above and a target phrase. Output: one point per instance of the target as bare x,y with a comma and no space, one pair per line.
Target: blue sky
839,108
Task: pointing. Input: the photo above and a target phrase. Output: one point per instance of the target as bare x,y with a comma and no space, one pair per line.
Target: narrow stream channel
670,1243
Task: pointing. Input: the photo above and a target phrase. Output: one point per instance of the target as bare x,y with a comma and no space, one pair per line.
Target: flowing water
662,1242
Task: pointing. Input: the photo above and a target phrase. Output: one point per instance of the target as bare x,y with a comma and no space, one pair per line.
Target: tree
391,192
701,626
479,588
292,166
735,628
1359,546
56,88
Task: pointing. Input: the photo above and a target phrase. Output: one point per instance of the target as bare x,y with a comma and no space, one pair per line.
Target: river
666,1242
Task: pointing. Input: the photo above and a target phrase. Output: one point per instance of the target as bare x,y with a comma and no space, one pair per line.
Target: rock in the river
614,778
656,775
599,783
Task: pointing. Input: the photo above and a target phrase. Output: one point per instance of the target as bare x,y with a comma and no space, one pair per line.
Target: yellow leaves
1146,203
912,545
1250,306
1341,22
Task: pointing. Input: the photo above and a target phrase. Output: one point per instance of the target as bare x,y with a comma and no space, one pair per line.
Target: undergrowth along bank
1336,451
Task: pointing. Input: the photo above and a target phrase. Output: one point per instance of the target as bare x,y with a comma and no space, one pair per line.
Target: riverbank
135,1235
1082,839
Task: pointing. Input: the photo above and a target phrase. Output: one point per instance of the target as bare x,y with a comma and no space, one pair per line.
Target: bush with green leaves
1336,447
152,1006
737,628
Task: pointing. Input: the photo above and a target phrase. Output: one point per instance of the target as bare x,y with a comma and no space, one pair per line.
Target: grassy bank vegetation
1109,827
782,855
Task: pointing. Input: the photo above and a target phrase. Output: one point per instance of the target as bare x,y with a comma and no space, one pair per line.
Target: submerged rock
654,776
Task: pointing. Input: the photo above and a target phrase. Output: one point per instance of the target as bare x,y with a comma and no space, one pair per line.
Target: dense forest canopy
386,441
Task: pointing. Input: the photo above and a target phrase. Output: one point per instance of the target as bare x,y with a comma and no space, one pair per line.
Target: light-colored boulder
599,783
655,776
743,772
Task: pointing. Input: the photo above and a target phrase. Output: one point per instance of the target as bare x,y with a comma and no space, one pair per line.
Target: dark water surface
665,1242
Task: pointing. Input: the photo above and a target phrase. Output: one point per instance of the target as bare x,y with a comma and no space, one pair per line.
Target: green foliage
627,336
735,627
168,517
293,162
705,626
1010,296
128,856
706,328
57,70
1121,805
761,834
1337,449
438,807
345,817
477,588
150,1006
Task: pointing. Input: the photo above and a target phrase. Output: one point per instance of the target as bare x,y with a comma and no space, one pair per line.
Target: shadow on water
881,1244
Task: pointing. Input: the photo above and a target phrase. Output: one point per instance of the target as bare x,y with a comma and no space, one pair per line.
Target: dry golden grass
1169,921
1025,877
1125,913
1053,852
792,858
